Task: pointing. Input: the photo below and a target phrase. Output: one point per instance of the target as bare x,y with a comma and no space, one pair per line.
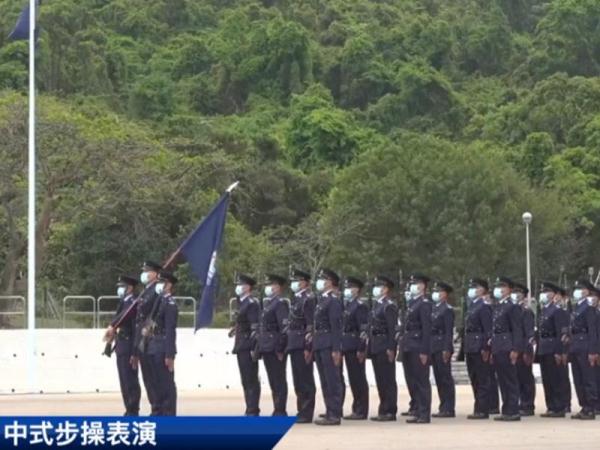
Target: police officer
244,332
162,346
525,362
355,325
382,348
300,324
583,349
478,331
442,331
272,341
124,347
550,349
562,301
327,345
416,345
506,342
145,308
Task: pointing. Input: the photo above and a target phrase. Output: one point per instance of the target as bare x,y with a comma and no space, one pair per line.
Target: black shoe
583,416
478,416
508,418
328,421
443,414
355,416
408,413
322,416
553,414
303,420
418,420
494,411
526,412
384,418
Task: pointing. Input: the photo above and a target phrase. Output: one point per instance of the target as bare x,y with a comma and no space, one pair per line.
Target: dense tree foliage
371,135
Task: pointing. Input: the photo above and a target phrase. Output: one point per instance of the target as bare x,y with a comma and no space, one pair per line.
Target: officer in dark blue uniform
442,332
245,332
583,349
145,309
416,347
327,345
564,304
553,325
355,325
272,341
162,346
382,348
300,324
124,347
507,342
478,332
519,296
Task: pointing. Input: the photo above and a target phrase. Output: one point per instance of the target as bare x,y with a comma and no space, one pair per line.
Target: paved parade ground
459,433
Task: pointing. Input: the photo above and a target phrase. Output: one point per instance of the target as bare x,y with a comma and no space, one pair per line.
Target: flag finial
232,186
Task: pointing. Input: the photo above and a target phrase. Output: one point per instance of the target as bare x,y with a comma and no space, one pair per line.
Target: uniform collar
299,293
381,299
326,293
244,297
505,300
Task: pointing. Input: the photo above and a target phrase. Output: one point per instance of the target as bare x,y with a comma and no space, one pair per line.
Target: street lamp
527,218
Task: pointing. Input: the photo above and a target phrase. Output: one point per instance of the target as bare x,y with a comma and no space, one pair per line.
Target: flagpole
31,253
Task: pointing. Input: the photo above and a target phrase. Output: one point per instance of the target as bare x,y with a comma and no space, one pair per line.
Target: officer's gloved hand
231,332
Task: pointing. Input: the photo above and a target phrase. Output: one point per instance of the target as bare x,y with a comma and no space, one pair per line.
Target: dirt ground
458,433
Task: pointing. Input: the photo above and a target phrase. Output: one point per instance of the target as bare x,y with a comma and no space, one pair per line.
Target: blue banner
173,433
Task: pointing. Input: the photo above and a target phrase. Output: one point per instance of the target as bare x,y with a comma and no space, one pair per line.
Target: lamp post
527,218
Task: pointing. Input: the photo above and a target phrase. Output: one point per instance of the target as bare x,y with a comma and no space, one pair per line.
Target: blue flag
21,30
201,249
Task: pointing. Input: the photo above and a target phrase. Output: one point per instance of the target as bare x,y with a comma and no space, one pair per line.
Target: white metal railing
69,300
11,301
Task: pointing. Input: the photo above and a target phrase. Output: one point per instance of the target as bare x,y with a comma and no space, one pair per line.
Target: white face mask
498,293
545,298
472,293
239,290
514,297
145,278
269,291
377,290
348,294
295,286
121,290
577,294
320,285
436,297
407,295
159,288
415,290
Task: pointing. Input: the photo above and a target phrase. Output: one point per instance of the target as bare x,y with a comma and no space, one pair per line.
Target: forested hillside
368,135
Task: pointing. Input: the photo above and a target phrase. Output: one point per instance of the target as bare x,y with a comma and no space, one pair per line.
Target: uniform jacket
246,324
273,321
144,309
554,325
382,330
507,327
327,331
164,339
528,321
125,338
417,332
478,326
584,329
442,328
300,322
356,320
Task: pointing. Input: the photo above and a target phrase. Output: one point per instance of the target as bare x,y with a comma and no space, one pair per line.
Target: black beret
245,279
504,281
151,265
382,280
583,284
519,287
127,281
479,282
354,282
330,275
275,279
300,275
419,278
167,276
441,286
549,286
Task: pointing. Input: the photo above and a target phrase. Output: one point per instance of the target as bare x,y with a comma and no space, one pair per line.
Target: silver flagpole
31,354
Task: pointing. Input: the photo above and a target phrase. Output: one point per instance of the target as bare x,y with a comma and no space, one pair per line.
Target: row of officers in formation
330,327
